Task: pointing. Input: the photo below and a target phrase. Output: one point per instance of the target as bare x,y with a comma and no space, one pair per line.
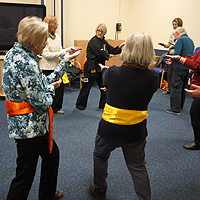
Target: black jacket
130,89
98,51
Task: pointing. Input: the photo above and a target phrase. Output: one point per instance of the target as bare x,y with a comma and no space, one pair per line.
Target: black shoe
166,92
97,193
172,112
80,107
192,146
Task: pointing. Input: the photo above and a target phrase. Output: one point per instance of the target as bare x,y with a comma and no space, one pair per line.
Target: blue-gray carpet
173,171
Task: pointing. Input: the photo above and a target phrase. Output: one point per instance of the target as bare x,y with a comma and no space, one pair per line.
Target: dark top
98,51
184,46
127,88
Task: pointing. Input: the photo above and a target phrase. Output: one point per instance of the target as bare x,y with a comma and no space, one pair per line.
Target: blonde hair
103,27
179,21
138,50
32,31
49,20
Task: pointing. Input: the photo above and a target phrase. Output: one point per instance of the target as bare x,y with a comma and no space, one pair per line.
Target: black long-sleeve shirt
132,89
99,50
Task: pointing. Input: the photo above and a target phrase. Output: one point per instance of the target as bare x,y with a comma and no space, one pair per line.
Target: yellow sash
123,116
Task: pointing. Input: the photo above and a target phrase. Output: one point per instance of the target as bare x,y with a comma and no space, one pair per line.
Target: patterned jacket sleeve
38,91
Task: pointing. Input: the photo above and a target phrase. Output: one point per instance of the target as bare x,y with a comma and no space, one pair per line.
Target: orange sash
21,108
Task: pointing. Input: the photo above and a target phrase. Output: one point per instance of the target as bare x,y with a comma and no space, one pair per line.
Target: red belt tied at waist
21,108
176,61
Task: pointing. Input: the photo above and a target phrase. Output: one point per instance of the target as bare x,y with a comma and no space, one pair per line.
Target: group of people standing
31,91
180,61
126,91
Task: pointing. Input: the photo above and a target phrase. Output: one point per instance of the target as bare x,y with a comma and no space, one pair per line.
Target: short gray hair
138,50
180,30
32,31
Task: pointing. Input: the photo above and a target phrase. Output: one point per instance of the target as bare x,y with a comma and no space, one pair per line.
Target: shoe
166,92
80,107
60,112
58,195
192,146
99,194
172,112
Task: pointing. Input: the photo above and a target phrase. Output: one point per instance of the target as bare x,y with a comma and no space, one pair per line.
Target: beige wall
22,1
154,16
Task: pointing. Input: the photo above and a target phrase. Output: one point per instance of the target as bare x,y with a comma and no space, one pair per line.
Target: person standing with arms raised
184,47
51,58
177,22
29,96
130,88
98,51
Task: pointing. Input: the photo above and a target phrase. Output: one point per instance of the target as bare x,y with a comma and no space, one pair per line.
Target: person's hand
171,43
161,44
122,44
174,57
195,92
111,55
191,70
102,66
57,83
104,89
168,62
73,48
70,56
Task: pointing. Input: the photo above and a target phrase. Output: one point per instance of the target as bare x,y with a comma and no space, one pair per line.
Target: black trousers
169,76
84,92
134,155
59,93
195,118
179,83
28,151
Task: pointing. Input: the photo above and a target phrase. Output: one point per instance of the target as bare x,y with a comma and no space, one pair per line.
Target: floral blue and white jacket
23,81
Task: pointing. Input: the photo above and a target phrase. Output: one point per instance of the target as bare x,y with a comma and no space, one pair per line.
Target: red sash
21,108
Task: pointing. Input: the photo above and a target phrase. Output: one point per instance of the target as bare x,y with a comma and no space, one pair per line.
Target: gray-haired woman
29,95
130,88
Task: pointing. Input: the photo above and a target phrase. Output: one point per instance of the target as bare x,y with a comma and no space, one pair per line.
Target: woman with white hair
29,95
130,88
98,51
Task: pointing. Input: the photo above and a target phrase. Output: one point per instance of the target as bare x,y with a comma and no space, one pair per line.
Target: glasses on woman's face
56,25
100,31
